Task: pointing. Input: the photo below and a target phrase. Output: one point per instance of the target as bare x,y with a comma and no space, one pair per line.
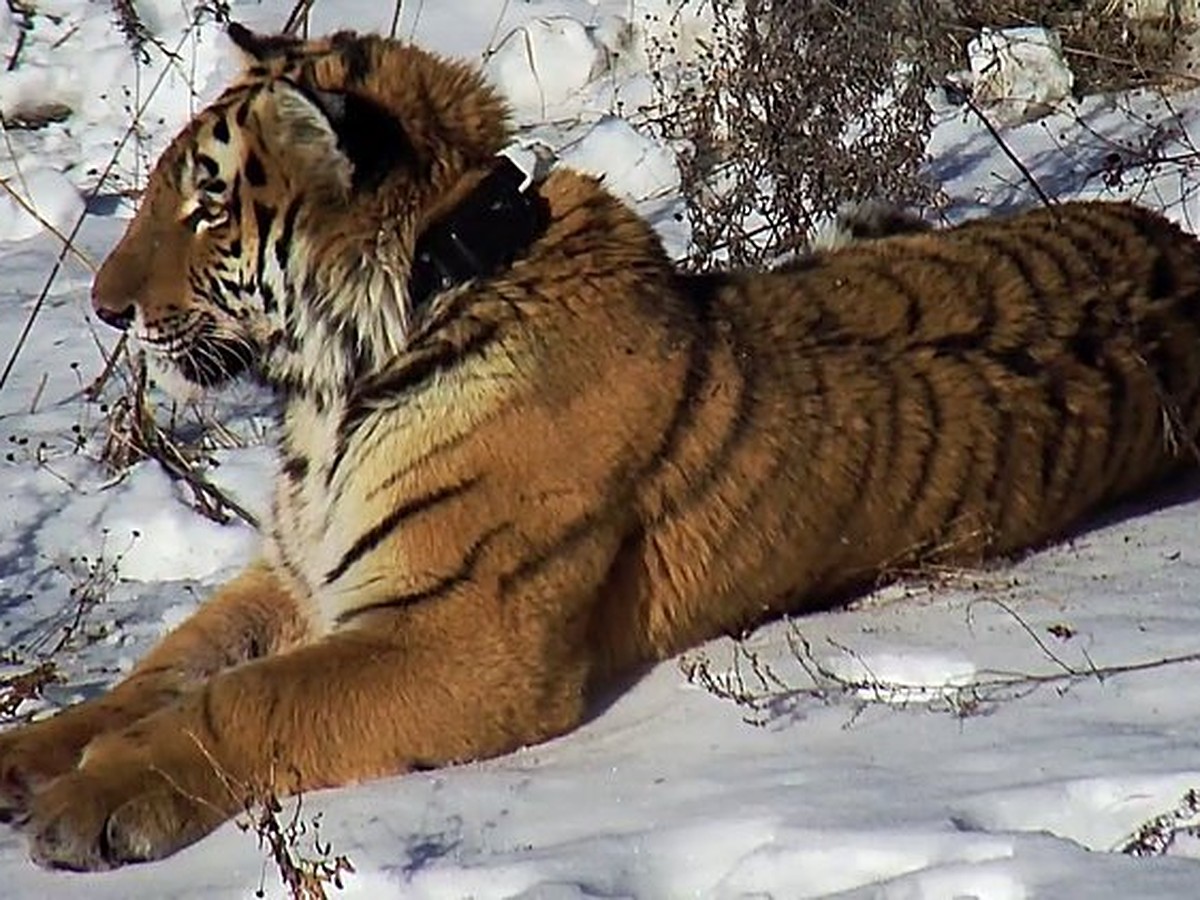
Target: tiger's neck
337,324
345,319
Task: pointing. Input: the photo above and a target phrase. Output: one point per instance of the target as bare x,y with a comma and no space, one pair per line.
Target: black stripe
996,245
574,533
390,386
1066,262
956,271
1066,470
414,464
381,530
1092,334
442,586
208,715
1098,248
893,281
998,495
256,174
209,288
211,167
1096,241
1016,361
263,215
356,55
441,314
919,491
234,204
828,329
1052,444
840,519
698,370
896,423
954,513
1163,282
700,481
1124,418
283,245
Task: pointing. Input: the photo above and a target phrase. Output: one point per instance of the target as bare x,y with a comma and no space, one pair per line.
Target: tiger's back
927,398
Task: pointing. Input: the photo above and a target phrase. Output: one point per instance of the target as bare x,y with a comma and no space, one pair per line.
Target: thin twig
110,363
179,468
1008,152
23,28
68,246
298,17
1025,626
69,240
399,7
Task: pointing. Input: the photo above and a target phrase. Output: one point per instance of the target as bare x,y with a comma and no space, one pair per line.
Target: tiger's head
276,232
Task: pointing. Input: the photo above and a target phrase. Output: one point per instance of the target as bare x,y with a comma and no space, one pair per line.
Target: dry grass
1158,835
790,111
306,876
794,109
16,690
767,692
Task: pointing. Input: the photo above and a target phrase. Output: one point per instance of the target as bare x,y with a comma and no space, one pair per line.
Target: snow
38,198
634,167
1000,735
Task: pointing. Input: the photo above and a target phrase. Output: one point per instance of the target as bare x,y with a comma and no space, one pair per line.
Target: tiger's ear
302,128
260,48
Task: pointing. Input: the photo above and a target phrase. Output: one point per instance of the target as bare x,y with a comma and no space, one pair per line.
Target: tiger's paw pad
79,826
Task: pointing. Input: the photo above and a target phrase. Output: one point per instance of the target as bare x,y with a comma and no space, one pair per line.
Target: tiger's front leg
453,678
251,616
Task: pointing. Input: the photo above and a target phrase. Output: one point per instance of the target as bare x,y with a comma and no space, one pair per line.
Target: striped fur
492,508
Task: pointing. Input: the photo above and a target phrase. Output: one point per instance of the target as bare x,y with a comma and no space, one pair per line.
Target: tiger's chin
189,374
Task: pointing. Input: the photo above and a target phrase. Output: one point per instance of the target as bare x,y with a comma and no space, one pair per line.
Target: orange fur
491,509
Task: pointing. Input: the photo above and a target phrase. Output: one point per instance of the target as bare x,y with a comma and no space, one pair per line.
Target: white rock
543,64
1018,74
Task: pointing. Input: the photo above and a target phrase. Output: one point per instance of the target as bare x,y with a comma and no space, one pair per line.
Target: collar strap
493,225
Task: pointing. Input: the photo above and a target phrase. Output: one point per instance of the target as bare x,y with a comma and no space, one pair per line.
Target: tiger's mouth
207,357
213,362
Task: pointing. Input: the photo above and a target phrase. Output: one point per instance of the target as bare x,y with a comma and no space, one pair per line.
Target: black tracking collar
489,228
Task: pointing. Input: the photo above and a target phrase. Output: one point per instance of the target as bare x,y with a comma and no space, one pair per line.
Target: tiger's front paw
108,816
29,758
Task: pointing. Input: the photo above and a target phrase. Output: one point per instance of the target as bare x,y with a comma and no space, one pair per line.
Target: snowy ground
980,737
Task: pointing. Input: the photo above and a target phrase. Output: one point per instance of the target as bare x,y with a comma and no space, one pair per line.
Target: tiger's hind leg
251,616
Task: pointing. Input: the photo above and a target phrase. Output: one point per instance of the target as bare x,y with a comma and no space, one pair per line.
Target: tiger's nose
117,318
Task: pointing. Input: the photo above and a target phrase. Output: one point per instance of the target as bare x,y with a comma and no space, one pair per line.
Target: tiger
523,456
